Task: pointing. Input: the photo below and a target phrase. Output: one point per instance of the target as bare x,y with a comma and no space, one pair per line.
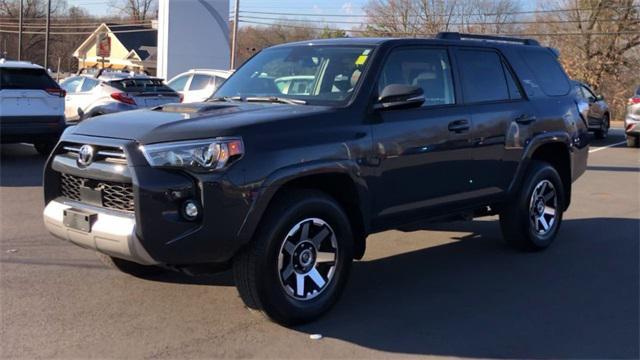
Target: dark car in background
597,113
284,185
632,120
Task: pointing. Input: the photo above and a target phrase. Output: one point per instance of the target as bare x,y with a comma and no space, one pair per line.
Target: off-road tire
257,275
516,219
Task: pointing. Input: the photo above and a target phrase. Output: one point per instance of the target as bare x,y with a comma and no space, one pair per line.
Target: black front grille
117,196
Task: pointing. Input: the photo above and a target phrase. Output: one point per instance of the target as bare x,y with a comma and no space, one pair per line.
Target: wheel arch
553,149
335,179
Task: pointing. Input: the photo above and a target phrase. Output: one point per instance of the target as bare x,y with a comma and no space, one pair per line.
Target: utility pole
20,33
234,36
46,36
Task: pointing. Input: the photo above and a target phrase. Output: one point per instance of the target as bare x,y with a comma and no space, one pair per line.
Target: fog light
190,210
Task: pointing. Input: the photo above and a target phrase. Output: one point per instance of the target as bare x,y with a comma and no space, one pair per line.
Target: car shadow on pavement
475,297
20,165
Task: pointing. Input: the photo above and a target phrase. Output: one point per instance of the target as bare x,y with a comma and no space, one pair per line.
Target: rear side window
179,83
19,78
548,72
141,85
200,82
483,77
88,85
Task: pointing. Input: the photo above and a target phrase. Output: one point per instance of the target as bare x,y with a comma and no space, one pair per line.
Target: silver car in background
632,120
107,92
198,85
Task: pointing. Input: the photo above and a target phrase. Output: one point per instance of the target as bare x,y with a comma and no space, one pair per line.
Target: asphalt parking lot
449,290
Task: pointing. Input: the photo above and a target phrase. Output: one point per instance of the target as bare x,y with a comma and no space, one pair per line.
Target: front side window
483,77
323,75
428,69
589,95
88,85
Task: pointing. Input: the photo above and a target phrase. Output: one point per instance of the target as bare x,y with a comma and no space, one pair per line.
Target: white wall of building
192,34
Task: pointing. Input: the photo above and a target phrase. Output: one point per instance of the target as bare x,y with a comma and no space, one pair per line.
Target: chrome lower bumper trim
112,233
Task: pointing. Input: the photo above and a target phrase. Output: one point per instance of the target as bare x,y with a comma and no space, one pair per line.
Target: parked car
31,106
198,84
597,110
632,120
107,92
285,189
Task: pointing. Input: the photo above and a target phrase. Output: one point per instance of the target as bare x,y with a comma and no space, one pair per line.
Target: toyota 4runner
310,147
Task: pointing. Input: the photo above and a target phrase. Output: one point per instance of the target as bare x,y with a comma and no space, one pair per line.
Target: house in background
133,47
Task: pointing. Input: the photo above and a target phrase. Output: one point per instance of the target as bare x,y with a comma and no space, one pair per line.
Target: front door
423,152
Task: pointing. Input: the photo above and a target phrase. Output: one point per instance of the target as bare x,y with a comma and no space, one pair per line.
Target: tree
137,9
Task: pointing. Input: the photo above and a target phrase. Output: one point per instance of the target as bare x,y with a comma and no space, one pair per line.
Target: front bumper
112,233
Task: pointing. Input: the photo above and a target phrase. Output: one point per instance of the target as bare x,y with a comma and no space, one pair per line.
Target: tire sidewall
540,172
275,301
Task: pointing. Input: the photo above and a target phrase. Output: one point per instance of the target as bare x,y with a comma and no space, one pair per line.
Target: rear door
500,111
72,86
423,153
29,92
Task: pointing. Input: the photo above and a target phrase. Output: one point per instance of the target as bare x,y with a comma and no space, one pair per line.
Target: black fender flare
530,148
279,178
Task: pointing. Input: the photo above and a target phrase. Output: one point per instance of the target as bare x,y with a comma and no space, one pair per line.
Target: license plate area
78,219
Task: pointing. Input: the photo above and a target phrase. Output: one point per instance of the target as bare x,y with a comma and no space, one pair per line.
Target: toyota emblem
85,155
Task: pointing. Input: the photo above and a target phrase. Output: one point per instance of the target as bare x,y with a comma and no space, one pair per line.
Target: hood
174,122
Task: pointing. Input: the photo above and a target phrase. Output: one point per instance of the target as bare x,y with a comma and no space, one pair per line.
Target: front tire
129,267
633,141
297,265
603,132
531,221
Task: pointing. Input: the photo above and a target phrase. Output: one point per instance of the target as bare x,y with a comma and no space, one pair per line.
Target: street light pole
46,36
234,36
20,33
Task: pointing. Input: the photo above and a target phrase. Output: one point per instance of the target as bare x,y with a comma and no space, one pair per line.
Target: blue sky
101,7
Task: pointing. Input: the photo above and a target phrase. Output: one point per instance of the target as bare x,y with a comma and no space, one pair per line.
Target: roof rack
479,37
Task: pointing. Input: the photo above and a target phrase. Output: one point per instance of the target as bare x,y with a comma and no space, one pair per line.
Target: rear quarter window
549,74
29,79
141,85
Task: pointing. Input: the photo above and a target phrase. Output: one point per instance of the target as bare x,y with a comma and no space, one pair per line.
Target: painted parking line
606,147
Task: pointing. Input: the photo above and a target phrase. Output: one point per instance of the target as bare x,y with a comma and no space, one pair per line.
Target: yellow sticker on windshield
361,59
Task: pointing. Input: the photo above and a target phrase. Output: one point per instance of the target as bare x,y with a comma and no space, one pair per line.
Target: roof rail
506,39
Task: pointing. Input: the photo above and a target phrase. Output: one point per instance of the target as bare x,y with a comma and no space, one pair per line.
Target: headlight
198,155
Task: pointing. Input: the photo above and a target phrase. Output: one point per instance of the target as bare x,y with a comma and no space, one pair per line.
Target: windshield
319,75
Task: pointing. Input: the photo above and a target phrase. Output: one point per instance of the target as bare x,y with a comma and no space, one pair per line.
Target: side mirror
395,96
599,98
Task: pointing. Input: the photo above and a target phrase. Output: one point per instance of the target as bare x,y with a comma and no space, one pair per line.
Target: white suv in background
31,106
198,84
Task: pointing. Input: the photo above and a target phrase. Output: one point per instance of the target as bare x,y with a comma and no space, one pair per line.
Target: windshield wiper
275,99
225,98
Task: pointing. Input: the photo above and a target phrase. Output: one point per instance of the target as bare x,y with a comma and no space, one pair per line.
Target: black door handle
459,126
525,119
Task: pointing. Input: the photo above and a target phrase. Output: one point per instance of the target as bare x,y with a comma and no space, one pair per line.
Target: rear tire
633,141
44,148
297,265
129,267
604,128
531,220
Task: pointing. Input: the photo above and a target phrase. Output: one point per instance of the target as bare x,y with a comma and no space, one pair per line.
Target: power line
459,23
66,25
74,32
435,15
433,34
